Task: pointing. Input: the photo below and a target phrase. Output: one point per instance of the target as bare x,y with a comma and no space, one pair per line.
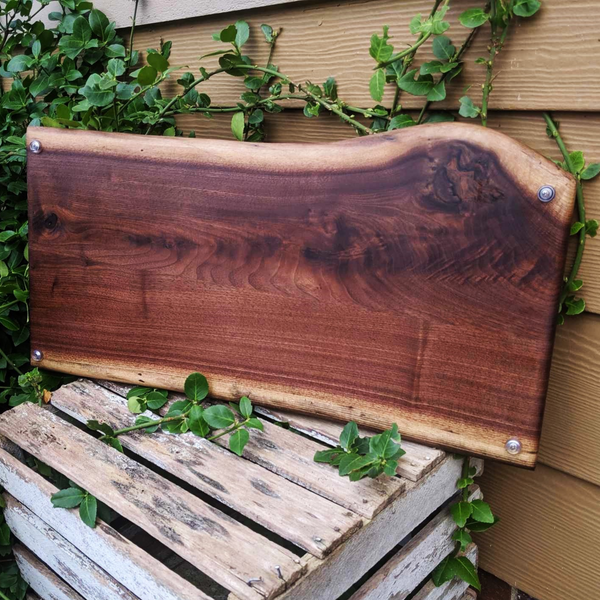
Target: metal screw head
513,446
546,193
37,355
35,146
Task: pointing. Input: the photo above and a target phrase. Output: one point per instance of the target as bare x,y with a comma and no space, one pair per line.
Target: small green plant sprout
357,457
469,515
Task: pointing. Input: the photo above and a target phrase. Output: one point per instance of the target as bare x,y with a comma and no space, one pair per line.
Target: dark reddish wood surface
409,277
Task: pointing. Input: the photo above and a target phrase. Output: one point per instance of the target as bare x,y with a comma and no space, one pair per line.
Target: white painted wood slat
41,579
128,564
81,573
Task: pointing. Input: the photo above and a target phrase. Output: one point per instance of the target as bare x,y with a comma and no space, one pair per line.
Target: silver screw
35,146
279,573
37,355
546,193
513,446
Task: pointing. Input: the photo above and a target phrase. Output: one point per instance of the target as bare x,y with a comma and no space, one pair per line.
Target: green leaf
94,425
227,35
430,68
464,569
463,538
377,84
238,441
256,117
473,17
390,468
327,456
575,306
464,482
417,87
115,51
380,50
88,510
440,117
591,171
19,63
138,391
401,121
437,93
461,511
481,512
575,285
98,23
442,48
354,462
577,160
9,323
348,435
219,416
478,527
255,423
467,108
142,419
526,8
147,75
576,227
245,407
242,33
158,61
198,426
196,387
4,535
443,572
156,399
330,88
237,125
135,405
591,227
69,498
113,442
267,32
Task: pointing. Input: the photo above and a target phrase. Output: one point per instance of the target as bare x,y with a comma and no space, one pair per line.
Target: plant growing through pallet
188,415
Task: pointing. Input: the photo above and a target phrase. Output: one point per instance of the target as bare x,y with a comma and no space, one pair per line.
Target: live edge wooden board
408,277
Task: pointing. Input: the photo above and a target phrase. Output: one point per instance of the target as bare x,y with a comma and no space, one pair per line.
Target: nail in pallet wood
410,277
246,529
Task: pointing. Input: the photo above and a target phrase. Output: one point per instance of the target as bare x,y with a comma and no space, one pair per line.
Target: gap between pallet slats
207,538
127,563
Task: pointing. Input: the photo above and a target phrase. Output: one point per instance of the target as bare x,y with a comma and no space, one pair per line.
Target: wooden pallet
196,521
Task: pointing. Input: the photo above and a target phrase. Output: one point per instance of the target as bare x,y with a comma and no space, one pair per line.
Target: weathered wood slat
80,572
417,461
399,577
123,560
356,298
291,456
451,590
294,513
40,578
327,579
332,38
207,538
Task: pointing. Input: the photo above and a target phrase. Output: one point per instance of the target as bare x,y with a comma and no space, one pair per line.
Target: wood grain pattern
546,65
547,541
205,536
358,281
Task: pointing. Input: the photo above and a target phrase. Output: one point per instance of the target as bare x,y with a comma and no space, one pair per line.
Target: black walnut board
408,277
